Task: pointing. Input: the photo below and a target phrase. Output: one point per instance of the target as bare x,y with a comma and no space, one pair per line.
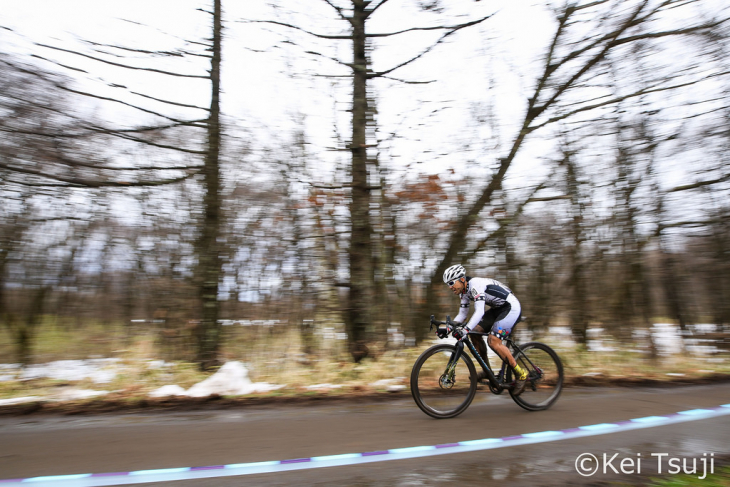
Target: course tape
189,473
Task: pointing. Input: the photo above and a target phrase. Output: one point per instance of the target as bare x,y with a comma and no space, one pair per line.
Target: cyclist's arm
463,311
477,316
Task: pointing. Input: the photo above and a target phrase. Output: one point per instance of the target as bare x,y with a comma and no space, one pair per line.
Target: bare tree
70,156
574,62
208,246
363,170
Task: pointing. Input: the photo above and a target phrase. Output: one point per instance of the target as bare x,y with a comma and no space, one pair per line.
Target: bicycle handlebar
443,332
448,321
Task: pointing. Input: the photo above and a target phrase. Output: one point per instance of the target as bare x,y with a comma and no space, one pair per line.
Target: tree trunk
209,261
578,308
361,275
669,280
25,328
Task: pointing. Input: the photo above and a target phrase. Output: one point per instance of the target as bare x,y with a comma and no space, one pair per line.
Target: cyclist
504,312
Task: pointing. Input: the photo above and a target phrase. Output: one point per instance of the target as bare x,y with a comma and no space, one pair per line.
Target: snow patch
230,380
75,394
8,372
666,337
158,364
390,385
316,387
20,400
168,390
72,370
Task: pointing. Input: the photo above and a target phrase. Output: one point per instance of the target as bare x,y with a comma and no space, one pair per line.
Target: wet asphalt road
56,445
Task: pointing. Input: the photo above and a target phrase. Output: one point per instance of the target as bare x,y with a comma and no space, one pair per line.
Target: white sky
267,83
264,90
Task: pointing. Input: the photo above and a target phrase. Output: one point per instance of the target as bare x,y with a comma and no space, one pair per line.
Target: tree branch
436,27
91,95
114,100
72,68
155,144
699,184
373,9
177,53
152,70
699,223
92,129
409,82
88,183
453,30
60,158
314,53
284,24
170,102
505,222
609,40
610,101
337,9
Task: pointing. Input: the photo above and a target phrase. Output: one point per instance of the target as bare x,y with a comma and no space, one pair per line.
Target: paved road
38,445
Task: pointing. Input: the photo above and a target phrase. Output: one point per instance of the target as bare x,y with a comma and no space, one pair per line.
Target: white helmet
454,272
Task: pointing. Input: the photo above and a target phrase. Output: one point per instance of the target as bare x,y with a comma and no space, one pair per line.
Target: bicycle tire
545,383
434,393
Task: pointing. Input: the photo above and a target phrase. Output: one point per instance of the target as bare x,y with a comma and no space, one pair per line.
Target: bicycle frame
493,380
487,369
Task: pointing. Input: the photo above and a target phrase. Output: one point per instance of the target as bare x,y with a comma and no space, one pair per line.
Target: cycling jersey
485,291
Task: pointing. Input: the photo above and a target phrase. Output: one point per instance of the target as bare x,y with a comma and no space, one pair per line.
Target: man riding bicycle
504,312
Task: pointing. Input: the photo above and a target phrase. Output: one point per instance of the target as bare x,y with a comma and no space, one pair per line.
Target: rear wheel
440,387
544,379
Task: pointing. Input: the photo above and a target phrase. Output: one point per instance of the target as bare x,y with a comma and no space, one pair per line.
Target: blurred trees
173,219
75,152
366,265
38,218
589,70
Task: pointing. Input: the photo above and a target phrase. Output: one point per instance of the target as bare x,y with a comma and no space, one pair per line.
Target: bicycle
444,379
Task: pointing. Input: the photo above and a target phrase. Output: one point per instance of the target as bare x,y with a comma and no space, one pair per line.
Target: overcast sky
267,83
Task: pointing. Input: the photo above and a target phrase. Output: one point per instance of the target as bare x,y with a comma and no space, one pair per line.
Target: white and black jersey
483,291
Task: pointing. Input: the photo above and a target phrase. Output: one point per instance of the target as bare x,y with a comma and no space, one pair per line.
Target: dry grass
273,355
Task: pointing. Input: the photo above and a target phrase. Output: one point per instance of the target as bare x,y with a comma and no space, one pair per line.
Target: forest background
182,169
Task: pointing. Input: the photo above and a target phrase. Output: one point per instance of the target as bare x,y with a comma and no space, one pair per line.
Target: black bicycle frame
487,369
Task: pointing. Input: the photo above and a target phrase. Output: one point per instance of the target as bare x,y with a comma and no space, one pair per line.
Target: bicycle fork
447,379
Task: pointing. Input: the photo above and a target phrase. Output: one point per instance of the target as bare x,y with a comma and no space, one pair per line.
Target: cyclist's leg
478,342
508,316
499,348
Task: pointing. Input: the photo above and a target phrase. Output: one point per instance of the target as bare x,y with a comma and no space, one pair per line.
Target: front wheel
441,387
544,379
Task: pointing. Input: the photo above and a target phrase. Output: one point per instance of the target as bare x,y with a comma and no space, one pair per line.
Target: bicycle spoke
440,388
545,376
